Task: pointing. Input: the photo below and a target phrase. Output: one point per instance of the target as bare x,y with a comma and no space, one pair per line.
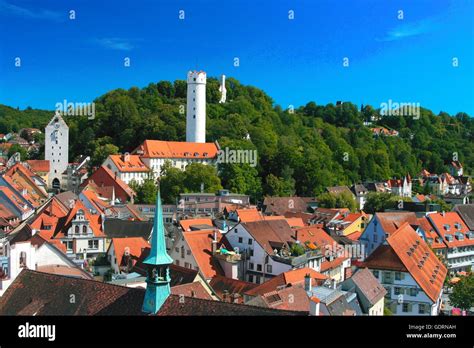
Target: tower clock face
56,125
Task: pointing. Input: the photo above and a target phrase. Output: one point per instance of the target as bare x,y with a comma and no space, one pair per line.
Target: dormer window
447,227
459,236
196,154
449,237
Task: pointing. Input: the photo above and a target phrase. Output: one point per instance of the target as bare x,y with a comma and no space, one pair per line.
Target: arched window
76,230
84,229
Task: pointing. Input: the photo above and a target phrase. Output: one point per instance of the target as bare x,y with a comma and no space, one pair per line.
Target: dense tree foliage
196,177
463,293
300,151
342,200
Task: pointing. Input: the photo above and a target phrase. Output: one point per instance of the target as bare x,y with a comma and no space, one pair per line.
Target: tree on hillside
342,200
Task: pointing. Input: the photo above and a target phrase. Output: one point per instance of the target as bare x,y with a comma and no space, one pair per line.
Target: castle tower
56,149
196,107
157,263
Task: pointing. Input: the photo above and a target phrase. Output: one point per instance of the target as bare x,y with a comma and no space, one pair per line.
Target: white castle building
196,107
56,149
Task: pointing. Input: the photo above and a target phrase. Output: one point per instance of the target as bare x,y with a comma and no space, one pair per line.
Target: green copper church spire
157,263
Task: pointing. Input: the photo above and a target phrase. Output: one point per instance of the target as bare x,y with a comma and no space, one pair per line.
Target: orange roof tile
452,228
315,235
129,163
295,222
177,149
249,215
291,278
187,223
194,289
200,243
355,235
39,166
391,221
327,265
134,245
420,261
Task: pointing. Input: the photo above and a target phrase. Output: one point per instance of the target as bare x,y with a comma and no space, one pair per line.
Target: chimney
314,306
24,191
307,282
126,157
443,213
214,243
102,221
333,283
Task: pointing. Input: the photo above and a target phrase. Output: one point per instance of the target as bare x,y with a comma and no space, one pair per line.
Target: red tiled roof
294,278
423,265
451,223
187,223
39,166
384,258
177,149
315,235
328,265
65,223
369,285
130,163
354,236
97,178
295,222
391,221
135,246
249,215
200,243
432,237
293,298
228,287
194,289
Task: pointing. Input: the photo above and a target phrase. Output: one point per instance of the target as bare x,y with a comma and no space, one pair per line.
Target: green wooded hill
299,152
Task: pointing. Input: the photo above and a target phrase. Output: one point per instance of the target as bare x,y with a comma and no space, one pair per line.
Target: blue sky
294,61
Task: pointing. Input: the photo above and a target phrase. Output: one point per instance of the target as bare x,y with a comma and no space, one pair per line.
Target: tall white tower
56,149
196,107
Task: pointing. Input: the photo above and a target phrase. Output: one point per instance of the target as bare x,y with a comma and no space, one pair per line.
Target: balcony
231,257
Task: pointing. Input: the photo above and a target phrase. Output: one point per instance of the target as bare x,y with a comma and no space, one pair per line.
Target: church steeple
157,263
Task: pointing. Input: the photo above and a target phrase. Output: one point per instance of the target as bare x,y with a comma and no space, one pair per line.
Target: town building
410,272
369,291
56,150
128,168
451,229
381,226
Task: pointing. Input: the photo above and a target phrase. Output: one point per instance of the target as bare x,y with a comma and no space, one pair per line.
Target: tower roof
158,254
57,116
